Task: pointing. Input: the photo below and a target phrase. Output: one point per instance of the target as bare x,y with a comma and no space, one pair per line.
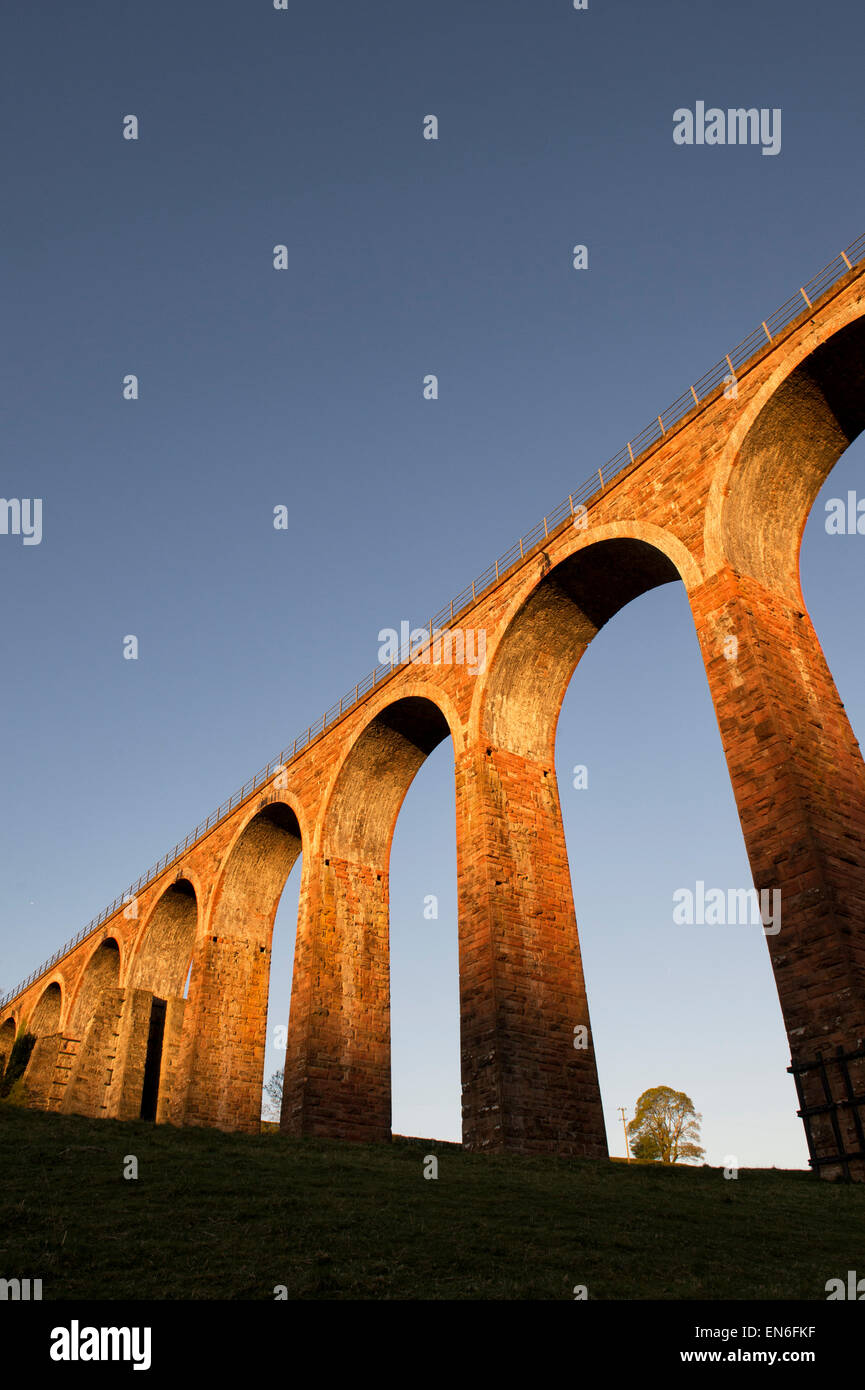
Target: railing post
805,297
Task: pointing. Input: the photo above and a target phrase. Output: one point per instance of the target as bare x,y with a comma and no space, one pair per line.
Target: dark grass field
222,1216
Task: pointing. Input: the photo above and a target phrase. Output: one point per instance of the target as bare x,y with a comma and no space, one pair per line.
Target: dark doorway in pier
153,1060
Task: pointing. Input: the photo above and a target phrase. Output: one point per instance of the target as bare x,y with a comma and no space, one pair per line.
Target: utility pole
625,1128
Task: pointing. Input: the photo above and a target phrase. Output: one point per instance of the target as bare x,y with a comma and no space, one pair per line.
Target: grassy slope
229,1216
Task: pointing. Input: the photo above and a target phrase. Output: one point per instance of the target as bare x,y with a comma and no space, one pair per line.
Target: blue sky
304,388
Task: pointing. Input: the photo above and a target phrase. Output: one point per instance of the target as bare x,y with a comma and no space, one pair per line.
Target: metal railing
798,306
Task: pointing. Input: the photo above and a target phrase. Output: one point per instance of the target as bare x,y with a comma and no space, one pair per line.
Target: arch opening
101,973
796,763
424,956
255,875
282,951
338,1059
648,810
526,1084
45,1018
225,1022
376,776
44,1023
788,454
160,967
7,1040
528,883
164,957
538,654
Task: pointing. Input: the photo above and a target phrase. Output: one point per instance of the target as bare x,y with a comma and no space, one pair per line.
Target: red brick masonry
720,504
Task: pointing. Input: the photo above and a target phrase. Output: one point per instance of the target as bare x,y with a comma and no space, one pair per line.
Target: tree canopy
273,1092
665,1127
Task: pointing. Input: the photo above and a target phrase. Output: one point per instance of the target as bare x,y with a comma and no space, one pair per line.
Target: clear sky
303,387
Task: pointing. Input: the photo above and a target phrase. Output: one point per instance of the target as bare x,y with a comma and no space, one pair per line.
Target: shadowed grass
227,1216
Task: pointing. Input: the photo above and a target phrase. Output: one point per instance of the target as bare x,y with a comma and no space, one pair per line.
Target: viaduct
713,495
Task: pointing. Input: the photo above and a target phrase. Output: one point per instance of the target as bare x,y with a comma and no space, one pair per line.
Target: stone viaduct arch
7,1038
43,1022
91,1016
337,1066
525,1084
163,952
101,973
155,978
45,1018
794,762
719,500
223,1045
